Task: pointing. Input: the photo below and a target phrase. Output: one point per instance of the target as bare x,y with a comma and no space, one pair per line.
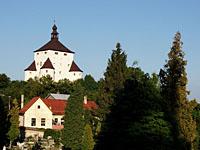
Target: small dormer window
38,106
56,53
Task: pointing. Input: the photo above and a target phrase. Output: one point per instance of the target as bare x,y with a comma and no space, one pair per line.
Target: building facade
55,60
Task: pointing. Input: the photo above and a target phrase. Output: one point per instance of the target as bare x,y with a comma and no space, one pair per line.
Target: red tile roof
74,67
47,64
28,105
31,67
56,106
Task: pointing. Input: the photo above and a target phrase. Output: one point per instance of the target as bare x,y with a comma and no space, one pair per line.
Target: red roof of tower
54,44
31,67
74,67
47,64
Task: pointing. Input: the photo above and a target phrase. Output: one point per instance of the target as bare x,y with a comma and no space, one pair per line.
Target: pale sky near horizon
92,28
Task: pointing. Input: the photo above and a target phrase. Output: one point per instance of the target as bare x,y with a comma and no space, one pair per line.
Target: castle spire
54,33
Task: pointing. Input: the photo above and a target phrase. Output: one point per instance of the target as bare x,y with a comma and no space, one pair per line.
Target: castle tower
54,59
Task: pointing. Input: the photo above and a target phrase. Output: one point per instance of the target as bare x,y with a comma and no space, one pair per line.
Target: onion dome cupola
54,33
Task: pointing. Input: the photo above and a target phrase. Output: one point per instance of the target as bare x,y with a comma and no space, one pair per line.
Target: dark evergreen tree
13,132
173,83
72,135
114,78
4,122
136,121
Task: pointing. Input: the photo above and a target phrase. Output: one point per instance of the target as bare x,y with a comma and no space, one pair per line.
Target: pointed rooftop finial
54,33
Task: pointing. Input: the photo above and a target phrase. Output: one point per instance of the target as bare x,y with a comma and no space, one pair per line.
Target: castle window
33,121
43,121
56,53
38,106
65,54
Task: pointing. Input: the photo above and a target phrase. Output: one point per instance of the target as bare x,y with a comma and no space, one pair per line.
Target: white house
54,59
46,113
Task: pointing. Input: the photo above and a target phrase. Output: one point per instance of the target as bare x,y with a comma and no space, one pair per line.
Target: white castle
54,59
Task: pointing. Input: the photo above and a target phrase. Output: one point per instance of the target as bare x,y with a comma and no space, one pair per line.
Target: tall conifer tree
173,84
115,77
72,135
13,132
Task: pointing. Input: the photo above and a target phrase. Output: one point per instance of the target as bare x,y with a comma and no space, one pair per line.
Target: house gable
37,112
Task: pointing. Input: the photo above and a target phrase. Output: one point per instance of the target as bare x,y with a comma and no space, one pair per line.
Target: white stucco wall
75,75
42,112
61,61
30,74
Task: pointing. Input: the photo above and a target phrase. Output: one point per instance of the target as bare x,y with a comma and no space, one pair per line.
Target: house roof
32,67
47,64
58,96
54,44
57,106
74,67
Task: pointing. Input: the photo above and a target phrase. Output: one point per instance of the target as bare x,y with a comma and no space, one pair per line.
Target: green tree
13,132
173,83
72,135
114,78
4,82
88,141
4,122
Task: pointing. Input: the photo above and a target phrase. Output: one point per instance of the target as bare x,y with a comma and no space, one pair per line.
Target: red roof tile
74,67
90,105
56,106
28,105
47,64
31,67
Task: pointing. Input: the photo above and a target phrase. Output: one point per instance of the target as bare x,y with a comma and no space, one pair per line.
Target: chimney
85,100
22,101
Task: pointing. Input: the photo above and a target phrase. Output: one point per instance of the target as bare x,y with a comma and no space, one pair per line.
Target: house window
56,53
37,53
65,54
33,121
62,121
46,71
59,72
30,72
74,74
40,63
45,52
56,120
38,106
43,121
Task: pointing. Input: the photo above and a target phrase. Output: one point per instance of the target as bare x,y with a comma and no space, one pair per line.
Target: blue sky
92,28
